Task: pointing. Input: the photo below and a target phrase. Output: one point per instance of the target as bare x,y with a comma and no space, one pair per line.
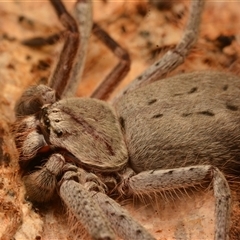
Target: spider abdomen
186,120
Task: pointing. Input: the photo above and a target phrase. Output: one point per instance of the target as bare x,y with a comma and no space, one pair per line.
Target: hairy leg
172,58
79,201
123,224
173,179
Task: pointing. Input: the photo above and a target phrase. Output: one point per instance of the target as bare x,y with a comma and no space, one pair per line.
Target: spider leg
90,181
172,58
161,180
62,72
68,71
33,99
82,13
80,202
122,222
83,16
92,208
41,184
27,138
78,187
111,81
69,67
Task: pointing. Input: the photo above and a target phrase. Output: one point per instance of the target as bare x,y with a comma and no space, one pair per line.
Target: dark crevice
122,123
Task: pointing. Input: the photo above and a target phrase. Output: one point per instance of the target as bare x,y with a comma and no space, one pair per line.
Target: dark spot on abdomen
231,107
206,113
225,87
152,101
157,115
193,90
186,114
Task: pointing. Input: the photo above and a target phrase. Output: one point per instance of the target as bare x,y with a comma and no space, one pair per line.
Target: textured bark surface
146,33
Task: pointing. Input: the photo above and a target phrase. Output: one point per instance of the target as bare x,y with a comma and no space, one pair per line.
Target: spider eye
55,111
59,133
